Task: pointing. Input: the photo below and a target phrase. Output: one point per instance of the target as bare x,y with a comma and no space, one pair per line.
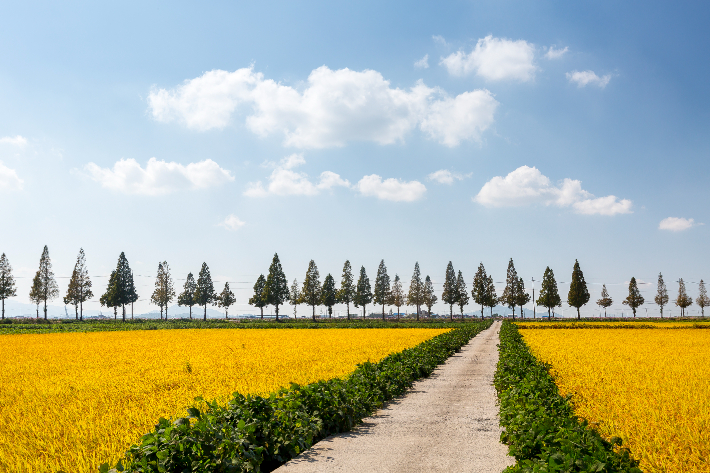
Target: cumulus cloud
676,224
285,181
585,78
553,53
527,185
330,110
18,140
423,63
158,177
232,223
494,59
391,189
9,180
439,39
444,176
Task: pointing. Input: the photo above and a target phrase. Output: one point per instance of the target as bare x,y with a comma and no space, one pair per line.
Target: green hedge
541,429
253,433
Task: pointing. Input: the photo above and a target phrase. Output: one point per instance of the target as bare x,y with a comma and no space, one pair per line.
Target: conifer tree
164,290
491,296
661,294
79,290
510,293
295,297
634,299
259,297
187,296
683,300
383,290
703,300
416,293
329,295
605,300
311,293
549,295
578,294
398,299
225,299
131,294
522,296
204,290
462,297
450,293
36,292
110,297
363,292
429,295
49,288
346,294
7,282
121,288
479,291
276,287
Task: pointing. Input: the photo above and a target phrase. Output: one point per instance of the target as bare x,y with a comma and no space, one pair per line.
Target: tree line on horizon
274,290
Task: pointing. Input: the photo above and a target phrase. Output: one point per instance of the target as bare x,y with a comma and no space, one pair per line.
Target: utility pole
533,287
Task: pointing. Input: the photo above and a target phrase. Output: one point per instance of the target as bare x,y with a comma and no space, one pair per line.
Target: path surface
447,422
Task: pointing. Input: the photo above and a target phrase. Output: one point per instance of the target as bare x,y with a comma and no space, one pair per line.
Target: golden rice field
650,387
71,401
603,323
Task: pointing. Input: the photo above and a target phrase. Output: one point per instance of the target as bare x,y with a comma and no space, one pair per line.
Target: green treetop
276,288
79,289
259,297
329,294
462,297
661,294
204,290
683,300
703,301
416,293
226,299
187,296
450,292
295,297
634,299
383,290
479,290
311,293
522,296
48,289
605,300
346,293
429,295
7,282
491,296
578,294
510,293
363,293
398,299
549,296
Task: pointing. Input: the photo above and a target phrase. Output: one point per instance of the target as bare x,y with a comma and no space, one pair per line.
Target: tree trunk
481,311
314,313
347,305
363,311
579,316
398,313
131,310
513,312
161,312
277,312
81,307
123,311
418,309
76,311
3,308
226,317
204,318
190,312
383,312
45,308
548,315
451,312
166,310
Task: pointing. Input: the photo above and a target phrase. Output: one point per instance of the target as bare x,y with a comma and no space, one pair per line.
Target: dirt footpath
447,422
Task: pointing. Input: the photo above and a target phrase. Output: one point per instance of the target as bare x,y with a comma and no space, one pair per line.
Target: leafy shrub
541,429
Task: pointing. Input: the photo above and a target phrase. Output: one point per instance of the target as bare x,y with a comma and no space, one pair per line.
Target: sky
470,132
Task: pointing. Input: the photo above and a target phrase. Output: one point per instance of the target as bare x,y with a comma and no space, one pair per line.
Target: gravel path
447,422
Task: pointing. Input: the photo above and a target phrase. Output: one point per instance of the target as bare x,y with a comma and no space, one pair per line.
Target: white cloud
285,181
553,53
444,176
391,189
9,180
676,224
527,185
423,63
232,223
584,78
439,39
158,177
14,140
494,59
332,109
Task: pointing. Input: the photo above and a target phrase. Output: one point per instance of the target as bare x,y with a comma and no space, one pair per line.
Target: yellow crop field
614,324
71,401
647,386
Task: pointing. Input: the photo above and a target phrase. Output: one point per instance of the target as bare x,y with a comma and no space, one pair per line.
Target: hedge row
541,430
253,433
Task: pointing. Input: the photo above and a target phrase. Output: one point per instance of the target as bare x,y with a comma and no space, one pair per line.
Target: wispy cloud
494,59
585,78
444,176
285,181
553,53
677,224
18,140
9,180
232,223
391,189
423,63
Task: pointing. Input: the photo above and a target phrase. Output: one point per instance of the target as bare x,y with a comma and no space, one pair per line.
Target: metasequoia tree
462,297
510,293
661,294
491,296
121,289
110,298
276,287
7,282
683,300
429,295
398,299
311,293
521,296
450,294
363,292
36,292
346,293
225,299
549,296
259,299
605,300
164,290
416,293
383,290
204,289
578,294
48,288
329,295
703,301
187,296
79,289
634,299
479,289
295,298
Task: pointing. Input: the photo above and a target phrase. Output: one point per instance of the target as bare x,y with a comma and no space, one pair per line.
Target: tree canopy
363,293
295,297
225,300
429,294
416,293
703,301
164,290
462,297
605,300
510,293
634,299
204,289
398,299
48,285
311,293
383,289
7,282
187,296
578,294
549,296
79,289
479,289
276,287
450,293
329,294
258,299
661,298
683,300
346,293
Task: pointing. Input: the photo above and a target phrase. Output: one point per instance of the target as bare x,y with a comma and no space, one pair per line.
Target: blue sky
463,131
